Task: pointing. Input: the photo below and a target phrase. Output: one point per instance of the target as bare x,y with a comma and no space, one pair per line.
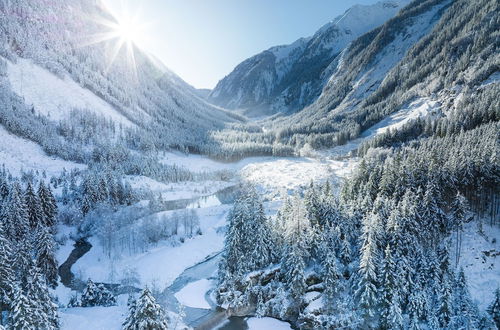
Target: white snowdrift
54,97
193,294
20,154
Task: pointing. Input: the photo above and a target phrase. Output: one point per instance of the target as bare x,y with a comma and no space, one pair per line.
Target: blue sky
203,40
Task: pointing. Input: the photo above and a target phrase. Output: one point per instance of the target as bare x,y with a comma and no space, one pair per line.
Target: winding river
197,318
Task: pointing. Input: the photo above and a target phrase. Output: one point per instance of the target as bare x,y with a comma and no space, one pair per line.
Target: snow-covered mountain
60,64
289,77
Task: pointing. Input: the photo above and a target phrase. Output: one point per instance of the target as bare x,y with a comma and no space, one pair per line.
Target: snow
193,294
267,323
369,80
482,271
95,318
20,154
285,175
174,191
163,264
55,97
272,175
420,108
494,78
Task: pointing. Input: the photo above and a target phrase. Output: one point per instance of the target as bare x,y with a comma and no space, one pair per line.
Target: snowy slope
480,259
289,77
53,96
60,62
18,154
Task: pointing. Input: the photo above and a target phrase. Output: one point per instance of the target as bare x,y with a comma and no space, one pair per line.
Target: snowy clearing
419,108
273,176
95,318
481,266
267,323
20,154
193,294
55,97
280,176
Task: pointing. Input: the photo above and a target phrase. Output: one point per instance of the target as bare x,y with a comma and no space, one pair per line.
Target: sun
122,31
129,30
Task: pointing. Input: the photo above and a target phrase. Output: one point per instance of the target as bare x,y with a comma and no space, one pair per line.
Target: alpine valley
349,180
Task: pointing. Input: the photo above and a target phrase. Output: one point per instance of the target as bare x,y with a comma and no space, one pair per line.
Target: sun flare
129,30
125,31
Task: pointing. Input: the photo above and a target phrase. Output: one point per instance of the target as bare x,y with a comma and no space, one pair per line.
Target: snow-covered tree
21,316
96,295
445,311
248,243
90,295
45,256
48,204
494,308
6,271
368,285
15,214
34,208
145,314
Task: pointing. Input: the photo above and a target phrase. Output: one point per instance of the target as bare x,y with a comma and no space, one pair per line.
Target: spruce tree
6,271
395,315
45,256
44,309
331,276
445,303
21,316
90,295
494,308
34,208
367,291
105,297
145,314
15,214
48,204
388,288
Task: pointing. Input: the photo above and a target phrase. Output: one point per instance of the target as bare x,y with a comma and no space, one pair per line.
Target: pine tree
34,208
494,308
458,217
90,295
466,312
44,309
6,271
395,315
45,256
388,288
21,316
48,204
248,244
294,266
331,276
145,314
445,303
368,283
15,215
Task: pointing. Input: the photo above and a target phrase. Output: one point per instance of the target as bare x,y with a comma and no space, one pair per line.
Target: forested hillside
386,252
431,50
